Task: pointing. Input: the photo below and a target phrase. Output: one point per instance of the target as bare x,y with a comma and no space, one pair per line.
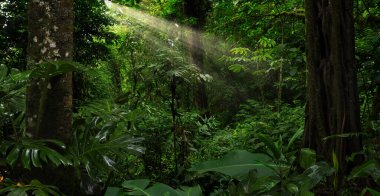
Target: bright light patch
212,46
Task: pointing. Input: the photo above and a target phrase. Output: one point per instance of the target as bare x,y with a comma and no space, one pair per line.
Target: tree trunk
375,110
116,75
49,100
332,96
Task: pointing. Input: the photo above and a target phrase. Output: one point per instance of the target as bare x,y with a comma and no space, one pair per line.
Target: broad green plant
147,188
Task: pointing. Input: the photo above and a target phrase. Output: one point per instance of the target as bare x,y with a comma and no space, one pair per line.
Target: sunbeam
212,46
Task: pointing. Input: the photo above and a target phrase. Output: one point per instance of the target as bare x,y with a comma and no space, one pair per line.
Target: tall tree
49,100
332,96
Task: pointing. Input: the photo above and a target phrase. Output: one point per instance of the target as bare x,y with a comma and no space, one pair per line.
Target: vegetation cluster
190,97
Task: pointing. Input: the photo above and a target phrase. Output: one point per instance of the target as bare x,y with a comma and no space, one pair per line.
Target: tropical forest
190,97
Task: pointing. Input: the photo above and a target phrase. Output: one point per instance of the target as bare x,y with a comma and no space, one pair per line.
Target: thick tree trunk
332,96
49,100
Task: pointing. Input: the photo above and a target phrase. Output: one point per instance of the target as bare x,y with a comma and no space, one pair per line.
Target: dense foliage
138,128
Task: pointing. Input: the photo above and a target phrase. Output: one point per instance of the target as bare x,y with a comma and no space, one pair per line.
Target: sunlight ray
212,46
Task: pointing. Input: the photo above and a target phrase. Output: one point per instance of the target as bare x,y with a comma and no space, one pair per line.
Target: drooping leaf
276,152
307,157
32,152
25,158
343,135
313,175
296,135
13,156
137,186
369,168
113,191
35,159
237,164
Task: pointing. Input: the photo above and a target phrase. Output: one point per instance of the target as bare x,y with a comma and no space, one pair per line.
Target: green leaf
3,72
113,191
292,188
40,193
54,68
369,168
371,191
13,156
140,187
56,142
313,175
190,191
236,68
25,158
336,168
237,164
35,159
21,191
343,135
271,145
248,184
296,135
137,186
162,189
240,51
307,157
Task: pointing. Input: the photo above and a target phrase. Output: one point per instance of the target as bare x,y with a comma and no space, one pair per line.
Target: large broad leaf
369,168
140,187
162,189
137,186
313,175
190,191
113,191
32,151
237,164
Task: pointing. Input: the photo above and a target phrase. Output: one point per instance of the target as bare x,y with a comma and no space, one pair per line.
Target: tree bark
49,99
332,95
